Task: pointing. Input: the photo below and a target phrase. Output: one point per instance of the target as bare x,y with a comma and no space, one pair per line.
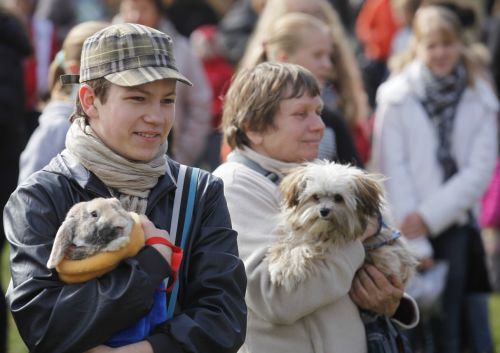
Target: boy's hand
150,231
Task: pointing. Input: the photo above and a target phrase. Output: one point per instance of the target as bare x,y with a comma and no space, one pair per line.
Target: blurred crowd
353,48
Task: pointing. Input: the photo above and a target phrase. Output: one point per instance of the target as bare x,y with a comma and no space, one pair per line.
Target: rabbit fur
101,224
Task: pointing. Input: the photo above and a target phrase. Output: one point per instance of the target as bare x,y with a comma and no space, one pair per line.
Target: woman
271,120
436,140
344,88
116,148
302,39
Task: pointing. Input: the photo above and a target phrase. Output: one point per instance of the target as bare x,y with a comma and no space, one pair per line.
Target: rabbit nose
324,212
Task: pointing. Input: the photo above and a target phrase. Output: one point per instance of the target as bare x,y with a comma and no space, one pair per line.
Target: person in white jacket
271,121
435,138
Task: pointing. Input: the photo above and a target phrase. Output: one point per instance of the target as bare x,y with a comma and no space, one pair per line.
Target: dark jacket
53,317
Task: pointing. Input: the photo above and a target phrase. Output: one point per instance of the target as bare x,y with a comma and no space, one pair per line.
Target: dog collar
395,234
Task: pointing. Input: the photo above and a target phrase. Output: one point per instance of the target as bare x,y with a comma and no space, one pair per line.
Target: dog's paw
290,268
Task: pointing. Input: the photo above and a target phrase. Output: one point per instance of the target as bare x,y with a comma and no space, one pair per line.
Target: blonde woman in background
49,137
344,88
435,139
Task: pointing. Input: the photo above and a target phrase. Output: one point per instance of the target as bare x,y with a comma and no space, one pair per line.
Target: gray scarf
130,181
440,101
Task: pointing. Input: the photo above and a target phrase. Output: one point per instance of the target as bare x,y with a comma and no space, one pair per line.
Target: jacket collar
68,165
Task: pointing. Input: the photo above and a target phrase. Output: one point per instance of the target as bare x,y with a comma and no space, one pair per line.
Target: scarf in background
131,180
440,101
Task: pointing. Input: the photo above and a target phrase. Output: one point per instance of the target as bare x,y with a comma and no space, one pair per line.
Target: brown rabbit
91,227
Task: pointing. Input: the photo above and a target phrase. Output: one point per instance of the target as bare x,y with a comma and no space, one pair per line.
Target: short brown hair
254,98
101,88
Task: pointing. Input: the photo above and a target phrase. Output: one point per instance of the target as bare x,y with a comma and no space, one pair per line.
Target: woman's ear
87,100
254,137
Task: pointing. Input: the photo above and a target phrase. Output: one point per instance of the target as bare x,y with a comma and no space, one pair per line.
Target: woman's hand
373,291
414,226
150,231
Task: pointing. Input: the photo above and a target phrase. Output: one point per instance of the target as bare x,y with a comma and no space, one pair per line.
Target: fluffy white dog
328,205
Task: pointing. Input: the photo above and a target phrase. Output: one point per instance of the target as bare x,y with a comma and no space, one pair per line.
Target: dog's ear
292,186
64,237
369,193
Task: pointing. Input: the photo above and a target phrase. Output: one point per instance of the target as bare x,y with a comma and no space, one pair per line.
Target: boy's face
297,132
135,121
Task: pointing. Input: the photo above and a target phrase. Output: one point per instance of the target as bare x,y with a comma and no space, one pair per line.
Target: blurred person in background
44,40
219,72
435,139
49,137
14,47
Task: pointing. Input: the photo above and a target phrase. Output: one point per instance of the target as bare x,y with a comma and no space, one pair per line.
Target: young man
116,148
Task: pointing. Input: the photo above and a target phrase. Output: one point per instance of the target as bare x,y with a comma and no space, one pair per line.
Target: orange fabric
77,271
375,28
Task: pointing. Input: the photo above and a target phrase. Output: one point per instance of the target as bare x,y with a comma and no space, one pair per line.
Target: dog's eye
315,197
93,213
338,198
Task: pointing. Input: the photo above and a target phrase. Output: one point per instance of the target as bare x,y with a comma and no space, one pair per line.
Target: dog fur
329,205
91,227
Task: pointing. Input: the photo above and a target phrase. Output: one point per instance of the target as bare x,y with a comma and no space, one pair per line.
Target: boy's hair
255,95
101,88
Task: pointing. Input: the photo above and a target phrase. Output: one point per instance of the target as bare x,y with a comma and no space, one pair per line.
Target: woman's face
441,54
314,53
135,121
297,132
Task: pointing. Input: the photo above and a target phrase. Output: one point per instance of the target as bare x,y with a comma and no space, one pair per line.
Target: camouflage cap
127,54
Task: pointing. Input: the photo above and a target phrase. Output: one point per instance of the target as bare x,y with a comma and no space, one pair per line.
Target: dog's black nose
324,212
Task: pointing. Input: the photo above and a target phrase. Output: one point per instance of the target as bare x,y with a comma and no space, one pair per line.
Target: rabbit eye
338,198
93,214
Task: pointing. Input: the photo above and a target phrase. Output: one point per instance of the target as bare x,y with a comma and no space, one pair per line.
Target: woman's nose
317,123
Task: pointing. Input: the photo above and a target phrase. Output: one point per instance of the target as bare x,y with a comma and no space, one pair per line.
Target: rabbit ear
63,240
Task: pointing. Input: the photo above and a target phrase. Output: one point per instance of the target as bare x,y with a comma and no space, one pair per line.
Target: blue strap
185,235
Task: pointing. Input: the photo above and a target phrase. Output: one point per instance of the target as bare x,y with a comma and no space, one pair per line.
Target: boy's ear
87,100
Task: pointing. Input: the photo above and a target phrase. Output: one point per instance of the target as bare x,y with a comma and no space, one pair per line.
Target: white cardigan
317,317
405,144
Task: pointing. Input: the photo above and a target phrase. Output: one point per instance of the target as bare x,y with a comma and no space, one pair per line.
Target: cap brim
142,75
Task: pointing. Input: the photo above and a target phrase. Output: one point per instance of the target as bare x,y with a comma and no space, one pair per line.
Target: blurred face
297,132
143,12
441,54
314,53
134,121
310,7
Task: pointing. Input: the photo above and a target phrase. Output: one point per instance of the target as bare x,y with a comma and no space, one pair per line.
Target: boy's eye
168,101
137,98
